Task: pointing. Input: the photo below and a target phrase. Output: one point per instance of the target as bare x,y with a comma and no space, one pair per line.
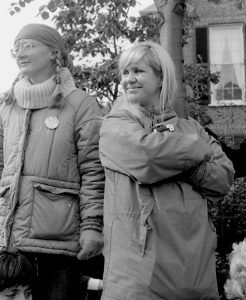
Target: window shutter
202,44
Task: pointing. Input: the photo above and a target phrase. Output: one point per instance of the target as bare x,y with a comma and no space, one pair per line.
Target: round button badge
52,122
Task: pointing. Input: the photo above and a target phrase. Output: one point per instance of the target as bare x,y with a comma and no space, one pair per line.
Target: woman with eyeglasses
52,181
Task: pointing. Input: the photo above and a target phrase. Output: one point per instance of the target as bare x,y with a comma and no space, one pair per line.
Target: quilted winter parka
159,240
52,181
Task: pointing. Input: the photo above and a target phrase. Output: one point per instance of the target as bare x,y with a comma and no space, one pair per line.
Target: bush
230,221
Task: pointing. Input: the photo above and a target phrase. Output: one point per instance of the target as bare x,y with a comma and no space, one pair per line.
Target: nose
131,77
21,296
20,53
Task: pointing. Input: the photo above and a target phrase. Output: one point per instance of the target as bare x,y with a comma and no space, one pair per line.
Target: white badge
52,122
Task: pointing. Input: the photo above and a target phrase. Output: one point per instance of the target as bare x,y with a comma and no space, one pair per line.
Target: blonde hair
60,61
155,56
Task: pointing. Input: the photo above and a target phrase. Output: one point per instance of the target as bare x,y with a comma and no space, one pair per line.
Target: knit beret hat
44,34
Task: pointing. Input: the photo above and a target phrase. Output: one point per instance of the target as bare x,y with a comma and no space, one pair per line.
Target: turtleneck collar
36,96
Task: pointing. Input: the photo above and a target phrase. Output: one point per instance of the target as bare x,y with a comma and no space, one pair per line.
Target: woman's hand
91,243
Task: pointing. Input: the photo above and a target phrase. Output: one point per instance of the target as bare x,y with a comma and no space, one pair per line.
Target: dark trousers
59,276
92,267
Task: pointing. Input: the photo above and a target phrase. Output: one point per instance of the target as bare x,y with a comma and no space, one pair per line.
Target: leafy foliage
96,31
197,78
230,222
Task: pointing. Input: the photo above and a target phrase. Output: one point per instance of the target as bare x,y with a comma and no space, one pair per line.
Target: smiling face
141,84
34,59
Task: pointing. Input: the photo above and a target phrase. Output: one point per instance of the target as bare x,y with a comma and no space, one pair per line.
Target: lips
24,63
132,88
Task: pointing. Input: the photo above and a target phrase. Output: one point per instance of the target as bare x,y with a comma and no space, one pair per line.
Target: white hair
235,286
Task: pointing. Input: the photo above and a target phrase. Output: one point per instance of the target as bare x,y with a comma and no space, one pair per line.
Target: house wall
231,119
209,13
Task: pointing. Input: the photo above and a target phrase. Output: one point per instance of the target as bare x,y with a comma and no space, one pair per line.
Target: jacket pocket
128,232
55,214
139,237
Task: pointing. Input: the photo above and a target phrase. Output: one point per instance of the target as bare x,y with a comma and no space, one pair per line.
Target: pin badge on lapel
52,122
160,127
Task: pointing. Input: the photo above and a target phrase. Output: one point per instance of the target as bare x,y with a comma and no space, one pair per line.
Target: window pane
226,48
231,84
226,44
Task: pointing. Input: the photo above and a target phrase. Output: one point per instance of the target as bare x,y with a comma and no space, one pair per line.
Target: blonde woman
161,171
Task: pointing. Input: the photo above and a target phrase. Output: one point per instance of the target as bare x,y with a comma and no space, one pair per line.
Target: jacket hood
121,104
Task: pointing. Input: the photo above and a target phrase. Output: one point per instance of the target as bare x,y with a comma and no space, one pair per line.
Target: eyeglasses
26,48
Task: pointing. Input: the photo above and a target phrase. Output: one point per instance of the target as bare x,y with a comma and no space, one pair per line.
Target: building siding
226,120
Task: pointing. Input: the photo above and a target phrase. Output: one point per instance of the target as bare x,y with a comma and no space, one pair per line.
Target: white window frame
222,58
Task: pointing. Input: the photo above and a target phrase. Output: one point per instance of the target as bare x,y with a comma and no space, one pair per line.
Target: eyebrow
9,290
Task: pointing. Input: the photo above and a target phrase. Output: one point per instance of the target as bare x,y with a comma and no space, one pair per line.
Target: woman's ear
52,57
54,54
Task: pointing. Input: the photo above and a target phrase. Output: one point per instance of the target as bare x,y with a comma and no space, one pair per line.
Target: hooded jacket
159,240
52,180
